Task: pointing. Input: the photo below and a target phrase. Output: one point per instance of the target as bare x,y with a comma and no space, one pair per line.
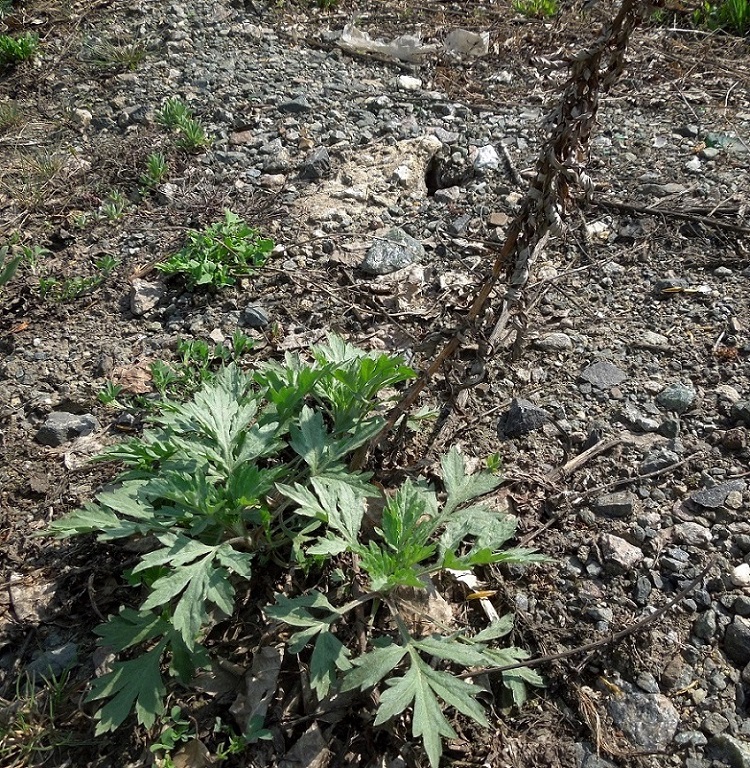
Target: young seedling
537,9
176,115
218,255
123,56
156,171
113,208
8,265
17,49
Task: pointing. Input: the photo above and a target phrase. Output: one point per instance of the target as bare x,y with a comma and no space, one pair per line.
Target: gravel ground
635,363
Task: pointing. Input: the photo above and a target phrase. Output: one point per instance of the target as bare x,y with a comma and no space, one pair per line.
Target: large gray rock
62,426
714,497
676,397
620,504
391,252
730,751
649,720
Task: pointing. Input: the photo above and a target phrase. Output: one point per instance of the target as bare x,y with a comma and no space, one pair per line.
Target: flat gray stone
620,504
62,426
522,417
692,533
603,375
649,720
255,316
553,342
391,252
54,662
741,411
730,751
676,397
295,106
659,458
650,340
714,497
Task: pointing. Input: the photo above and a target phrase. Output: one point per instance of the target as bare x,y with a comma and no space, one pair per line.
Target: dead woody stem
560,169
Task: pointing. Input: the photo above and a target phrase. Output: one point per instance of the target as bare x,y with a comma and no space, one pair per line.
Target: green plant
197,364
16,49
253,472
538,9
494,463
193,136
173,113
219,254
113,208
110,393
732,16
176,115
8,265
175,729
73,287
156,170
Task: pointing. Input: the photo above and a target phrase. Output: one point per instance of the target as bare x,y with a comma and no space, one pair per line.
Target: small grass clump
14,50
175,115
219,254
118,56
156,171
10,116
536,9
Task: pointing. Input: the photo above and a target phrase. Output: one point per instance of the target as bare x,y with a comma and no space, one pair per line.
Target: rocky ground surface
387,187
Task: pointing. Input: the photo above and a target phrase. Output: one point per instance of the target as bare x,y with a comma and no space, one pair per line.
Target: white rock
486,158
740,575
467,42
409,83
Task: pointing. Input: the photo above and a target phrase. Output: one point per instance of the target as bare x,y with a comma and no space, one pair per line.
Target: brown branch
709,221
615,638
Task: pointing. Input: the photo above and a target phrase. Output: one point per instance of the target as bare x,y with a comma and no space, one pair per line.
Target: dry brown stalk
560,168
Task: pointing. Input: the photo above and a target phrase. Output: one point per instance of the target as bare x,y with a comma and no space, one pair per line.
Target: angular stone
603,375
737,641
619,555
145,296
620,504
54,662
391,252
487,158
692,533
649,720
740,575
255,316
521,418
730,751
316,165
62,426
295,106
714,497
659,458
676,397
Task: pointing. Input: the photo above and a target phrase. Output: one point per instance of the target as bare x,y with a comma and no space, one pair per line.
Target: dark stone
316,165
713,498
649,720
521,418
737,641
255,316
62,426
730,751
295,106
669,286
741,410
619,504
